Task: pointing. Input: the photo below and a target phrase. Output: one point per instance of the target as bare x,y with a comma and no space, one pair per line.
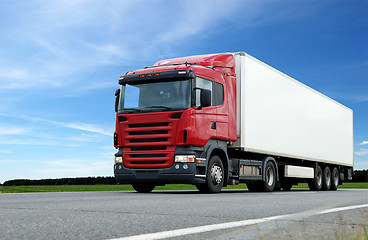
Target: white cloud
14,74
362,152
76,168
6,151
73,125
37,132
363,143
12,130
66,38
83,138
37,141
360,165
86,127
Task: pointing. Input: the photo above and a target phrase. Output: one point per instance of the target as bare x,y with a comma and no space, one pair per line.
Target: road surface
232,214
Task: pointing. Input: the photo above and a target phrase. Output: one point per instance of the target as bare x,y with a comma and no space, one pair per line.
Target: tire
143,187
215,175
315,184
326,180
270,177
334,179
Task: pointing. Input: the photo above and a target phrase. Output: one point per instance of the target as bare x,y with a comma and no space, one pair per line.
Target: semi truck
223,119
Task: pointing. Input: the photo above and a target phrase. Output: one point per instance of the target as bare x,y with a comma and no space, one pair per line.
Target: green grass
90,188
64,188
344,185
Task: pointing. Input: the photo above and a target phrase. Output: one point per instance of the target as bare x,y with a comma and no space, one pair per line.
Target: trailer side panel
283,117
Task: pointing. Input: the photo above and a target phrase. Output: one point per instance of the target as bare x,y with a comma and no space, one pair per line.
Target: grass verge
91,188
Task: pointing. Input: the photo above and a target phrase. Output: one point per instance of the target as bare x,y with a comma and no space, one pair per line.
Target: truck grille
163,124
148,145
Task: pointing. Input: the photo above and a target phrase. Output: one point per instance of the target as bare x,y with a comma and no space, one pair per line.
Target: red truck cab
174,121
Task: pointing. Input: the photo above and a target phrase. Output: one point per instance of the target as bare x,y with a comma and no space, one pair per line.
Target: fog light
177,166
118,159
185,158
185,166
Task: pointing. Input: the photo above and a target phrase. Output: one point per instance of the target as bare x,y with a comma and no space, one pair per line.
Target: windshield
156,96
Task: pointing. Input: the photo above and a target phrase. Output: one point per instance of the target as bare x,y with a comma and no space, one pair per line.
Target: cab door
222,111
205,118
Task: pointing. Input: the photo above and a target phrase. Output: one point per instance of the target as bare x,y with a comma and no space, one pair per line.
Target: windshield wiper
132,109
168,108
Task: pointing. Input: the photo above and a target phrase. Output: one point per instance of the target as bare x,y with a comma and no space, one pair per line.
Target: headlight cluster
118,159
185,158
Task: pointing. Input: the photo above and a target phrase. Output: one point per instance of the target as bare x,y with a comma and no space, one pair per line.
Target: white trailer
279,116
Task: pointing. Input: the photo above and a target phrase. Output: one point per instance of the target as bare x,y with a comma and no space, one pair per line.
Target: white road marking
291,192
214,227
343,208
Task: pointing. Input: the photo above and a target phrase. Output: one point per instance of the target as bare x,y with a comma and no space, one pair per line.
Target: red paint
149,140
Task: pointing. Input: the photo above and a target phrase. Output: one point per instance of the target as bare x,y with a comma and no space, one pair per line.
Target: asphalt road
297,214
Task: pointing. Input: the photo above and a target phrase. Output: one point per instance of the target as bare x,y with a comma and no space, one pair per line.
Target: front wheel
143,187
215,175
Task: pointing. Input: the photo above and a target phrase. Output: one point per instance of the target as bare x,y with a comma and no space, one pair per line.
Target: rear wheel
143,187
315,184
326,183
270,177
269,183
334,179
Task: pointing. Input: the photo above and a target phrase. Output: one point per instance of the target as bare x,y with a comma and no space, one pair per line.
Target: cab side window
217,90
217,94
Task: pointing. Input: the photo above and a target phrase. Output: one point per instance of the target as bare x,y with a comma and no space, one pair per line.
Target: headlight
185,158
118,159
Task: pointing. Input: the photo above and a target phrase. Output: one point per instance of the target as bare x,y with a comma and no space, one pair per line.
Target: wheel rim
335,176
216,174
319,178
269,176
328,178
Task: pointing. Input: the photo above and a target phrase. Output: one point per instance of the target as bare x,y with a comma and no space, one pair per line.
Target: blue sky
60,62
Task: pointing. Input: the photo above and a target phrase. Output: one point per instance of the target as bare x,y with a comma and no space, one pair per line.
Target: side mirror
205,98
117,96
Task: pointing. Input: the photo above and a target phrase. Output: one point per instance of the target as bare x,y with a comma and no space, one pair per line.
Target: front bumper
190,173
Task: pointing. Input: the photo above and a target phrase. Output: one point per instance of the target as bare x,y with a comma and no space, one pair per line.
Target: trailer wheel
215,175
315,184
270,177
143,187
326,183
334,179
